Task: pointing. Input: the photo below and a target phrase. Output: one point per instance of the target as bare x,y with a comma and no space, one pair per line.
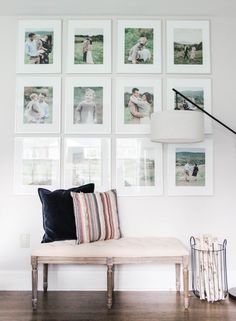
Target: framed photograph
197,90
88,105
139,46
136,100
190,168
37,164
87,160
38,102
188,46
39,46
138,167
89,46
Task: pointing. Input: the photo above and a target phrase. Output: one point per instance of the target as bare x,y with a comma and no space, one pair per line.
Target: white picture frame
37,54
126,121
197,90
138,156
36,164
133,37
97,33
88,105
38,105
188,46
87,160
185,183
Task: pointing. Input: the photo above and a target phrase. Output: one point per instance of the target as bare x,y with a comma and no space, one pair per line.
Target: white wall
155,216
121,7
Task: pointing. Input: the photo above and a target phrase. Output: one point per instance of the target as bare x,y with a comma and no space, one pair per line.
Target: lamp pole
232,291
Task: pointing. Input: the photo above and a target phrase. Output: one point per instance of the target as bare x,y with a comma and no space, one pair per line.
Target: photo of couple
138,105
190,167
38,105
39,47
88,44
88,105
138,46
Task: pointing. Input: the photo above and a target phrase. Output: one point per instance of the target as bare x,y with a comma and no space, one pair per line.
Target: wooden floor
128,306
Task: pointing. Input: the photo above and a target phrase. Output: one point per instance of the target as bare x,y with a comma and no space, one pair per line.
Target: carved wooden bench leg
45,278
177,274
186,282
110,281
34,263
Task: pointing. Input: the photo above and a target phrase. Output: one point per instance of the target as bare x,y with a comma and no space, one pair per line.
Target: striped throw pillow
96,216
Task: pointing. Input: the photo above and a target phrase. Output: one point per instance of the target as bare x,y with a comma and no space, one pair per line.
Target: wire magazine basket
209,273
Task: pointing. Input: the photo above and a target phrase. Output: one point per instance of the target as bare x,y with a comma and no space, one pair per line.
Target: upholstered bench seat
123,247
110,253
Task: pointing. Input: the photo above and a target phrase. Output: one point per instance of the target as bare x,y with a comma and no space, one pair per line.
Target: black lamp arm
204,111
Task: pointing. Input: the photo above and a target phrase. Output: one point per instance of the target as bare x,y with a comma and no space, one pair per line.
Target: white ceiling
119,7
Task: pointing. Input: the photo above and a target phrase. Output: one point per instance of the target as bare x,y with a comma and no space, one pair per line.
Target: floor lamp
182,126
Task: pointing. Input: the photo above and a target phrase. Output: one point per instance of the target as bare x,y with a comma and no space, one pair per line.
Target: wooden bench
111,253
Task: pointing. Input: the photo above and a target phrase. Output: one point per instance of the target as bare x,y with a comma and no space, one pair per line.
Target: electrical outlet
25,240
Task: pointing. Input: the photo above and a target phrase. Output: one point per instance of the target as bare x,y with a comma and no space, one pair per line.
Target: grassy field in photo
97,50
127,116
179,55
180,177
50,57
132,36
42,34
192,158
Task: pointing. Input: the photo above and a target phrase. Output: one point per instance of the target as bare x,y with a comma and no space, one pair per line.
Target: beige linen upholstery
123,247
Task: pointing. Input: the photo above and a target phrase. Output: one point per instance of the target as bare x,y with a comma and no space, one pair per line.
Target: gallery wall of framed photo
85,90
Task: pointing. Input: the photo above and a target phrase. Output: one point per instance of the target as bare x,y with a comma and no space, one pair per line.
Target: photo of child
88,105
38,105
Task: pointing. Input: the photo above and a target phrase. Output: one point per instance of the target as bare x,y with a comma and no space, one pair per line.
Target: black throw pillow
58,212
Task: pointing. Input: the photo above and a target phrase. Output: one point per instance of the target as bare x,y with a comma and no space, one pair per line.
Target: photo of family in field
195,94
88,105
88,46
38,102
188,46
39,47
138,46
138,105
190,166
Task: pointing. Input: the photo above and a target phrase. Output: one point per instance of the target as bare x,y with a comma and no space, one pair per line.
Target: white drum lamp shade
177,126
